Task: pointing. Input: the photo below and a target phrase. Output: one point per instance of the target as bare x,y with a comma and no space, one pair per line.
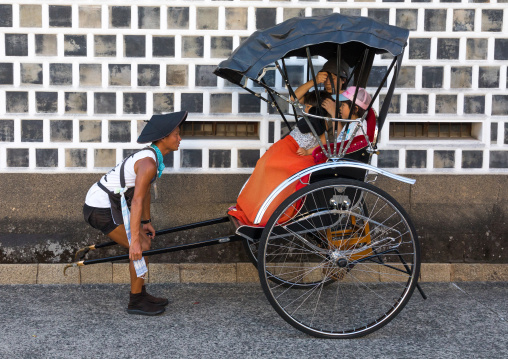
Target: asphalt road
462,320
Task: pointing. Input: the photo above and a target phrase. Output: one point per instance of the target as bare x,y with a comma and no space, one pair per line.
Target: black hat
331,66
160,126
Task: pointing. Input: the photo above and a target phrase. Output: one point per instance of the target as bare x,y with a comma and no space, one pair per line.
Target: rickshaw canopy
293,36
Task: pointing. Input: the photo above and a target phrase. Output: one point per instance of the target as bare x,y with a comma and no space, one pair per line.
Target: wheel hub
342,262
338,259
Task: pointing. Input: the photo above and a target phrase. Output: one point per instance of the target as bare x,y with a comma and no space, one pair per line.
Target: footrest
246,231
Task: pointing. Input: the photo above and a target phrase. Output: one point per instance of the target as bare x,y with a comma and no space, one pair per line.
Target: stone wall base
458,218
117,273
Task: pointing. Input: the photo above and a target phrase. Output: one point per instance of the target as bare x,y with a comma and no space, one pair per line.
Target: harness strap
101,186
115,198
122,171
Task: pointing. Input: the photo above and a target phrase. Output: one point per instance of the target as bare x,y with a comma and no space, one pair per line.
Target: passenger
302,133
328,77
310,99
104,211
284,158
368,125
362,102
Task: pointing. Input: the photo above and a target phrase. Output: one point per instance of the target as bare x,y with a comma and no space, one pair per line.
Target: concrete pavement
459,320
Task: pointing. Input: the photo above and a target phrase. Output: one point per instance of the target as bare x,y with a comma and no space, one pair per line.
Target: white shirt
350,130
96,197
304,140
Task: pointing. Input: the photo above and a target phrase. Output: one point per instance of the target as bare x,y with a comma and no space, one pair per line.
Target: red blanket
275,166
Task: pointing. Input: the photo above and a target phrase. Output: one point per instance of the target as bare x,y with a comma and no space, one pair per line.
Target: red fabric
275,166
357,143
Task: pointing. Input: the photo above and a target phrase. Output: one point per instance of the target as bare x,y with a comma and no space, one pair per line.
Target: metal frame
84,251
328,165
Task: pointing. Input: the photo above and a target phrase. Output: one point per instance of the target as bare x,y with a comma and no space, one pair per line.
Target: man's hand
135,251
149,230
303,89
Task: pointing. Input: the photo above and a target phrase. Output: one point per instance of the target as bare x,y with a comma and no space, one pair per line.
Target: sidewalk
117,273
458,320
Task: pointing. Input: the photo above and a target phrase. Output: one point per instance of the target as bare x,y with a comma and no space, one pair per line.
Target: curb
118,273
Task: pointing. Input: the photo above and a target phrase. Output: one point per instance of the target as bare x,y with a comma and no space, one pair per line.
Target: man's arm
145,215
145,170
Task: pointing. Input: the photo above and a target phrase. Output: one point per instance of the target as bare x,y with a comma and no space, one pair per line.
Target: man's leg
146,244
120,237
138,302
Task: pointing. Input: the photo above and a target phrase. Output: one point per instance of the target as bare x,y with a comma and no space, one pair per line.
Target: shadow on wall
457,218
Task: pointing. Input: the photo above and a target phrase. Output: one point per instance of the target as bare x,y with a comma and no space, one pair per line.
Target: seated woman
331,77
286,157
368,129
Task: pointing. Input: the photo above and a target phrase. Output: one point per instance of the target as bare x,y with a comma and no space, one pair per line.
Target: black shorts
99,218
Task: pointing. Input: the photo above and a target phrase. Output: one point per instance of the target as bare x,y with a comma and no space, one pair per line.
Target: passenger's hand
135,251
321,77
329,106
149,230
301,152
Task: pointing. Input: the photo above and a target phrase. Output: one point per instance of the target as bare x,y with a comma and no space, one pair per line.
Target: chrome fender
326,165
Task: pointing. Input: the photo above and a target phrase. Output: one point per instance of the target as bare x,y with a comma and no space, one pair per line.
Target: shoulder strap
122,173
101,186
122,167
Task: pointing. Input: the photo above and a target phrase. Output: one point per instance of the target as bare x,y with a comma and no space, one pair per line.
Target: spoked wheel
252,247
349,233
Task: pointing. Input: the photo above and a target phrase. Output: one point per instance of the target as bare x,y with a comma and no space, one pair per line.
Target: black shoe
154,300
138,304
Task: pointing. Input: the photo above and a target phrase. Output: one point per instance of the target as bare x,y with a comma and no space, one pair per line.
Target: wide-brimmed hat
362,98
160,126
331,66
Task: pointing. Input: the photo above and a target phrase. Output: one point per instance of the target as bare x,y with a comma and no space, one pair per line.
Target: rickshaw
339,257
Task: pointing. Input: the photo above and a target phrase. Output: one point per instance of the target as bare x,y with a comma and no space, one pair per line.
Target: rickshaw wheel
252,247
349,232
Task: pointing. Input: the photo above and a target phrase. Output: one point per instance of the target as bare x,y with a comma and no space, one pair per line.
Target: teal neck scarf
160,159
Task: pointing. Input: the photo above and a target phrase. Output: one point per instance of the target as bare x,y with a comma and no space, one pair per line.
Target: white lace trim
304,140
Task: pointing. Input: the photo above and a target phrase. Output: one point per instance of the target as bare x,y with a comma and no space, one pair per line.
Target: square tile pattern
76,78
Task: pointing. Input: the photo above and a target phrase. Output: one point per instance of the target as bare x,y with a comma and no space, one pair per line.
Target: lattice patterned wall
77,78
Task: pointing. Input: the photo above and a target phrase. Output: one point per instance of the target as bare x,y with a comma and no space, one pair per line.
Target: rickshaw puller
133,176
